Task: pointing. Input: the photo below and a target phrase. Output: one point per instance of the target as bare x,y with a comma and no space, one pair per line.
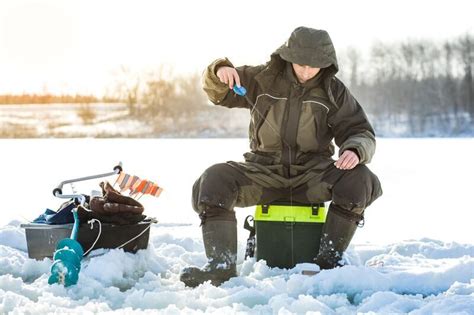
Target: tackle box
288,234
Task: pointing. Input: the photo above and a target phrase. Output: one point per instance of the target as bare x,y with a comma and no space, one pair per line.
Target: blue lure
240,90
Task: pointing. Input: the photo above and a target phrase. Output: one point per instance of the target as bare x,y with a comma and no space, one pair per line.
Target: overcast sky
77,45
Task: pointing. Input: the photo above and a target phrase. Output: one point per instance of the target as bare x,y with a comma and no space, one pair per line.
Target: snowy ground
99,120
415,254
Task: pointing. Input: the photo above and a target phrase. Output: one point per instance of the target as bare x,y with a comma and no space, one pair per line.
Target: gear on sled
106,219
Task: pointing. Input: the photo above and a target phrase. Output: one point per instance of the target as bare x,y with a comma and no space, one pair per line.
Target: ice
415,255
148,280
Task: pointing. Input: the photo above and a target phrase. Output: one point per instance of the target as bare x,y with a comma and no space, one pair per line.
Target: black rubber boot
220,243
337,233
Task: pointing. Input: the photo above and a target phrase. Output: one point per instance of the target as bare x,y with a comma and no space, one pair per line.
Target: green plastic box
288,234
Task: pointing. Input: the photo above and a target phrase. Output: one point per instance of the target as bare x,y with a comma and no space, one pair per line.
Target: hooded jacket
292,124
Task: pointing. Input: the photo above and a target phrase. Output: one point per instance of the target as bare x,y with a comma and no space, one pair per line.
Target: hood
311,47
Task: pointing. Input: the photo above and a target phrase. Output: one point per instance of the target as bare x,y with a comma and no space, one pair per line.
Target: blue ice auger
67,258
68,255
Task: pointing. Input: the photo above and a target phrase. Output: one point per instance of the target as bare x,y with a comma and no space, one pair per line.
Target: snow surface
415,254
113,121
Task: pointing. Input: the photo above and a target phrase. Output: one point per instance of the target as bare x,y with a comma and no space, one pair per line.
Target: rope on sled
91,222
140,234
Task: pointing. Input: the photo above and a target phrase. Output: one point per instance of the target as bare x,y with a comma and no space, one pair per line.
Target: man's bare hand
347,161
229,76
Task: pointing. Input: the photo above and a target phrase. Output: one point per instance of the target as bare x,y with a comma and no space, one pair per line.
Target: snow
415,255
112,120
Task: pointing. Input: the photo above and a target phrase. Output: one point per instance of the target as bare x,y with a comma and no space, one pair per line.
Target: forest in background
416,88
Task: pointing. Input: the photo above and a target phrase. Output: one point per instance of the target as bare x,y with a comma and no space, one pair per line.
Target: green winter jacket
292,125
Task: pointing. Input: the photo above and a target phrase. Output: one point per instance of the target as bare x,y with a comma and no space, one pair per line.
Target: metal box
41,239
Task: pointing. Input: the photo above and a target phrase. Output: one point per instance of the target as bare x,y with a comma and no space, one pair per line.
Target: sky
80,46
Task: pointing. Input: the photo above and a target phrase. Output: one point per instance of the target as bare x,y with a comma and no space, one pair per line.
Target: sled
41,238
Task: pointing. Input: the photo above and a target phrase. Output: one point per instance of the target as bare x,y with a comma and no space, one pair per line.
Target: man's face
304,73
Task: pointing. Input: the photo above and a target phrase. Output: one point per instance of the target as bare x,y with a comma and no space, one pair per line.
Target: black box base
285,244
41,239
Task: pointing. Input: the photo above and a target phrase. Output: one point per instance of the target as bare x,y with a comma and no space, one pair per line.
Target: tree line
25,98
415,88
410,88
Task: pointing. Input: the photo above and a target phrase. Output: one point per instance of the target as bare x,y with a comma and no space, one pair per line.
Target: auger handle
58,191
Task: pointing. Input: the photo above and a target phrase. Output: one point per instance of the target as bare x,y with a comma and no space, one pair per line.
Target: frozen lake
427,183
403,261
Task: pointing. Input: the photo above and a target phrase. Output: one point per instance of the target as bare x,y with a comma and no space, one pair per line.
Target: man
297,108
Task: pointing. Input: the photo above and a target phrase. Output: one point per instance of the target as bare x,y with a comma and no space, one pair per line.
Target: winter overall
291,131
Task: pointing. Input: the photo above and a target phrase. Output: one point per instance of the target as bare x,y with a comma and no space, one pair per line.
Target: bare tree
354,59
128,89
423,85
466,52
159,97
